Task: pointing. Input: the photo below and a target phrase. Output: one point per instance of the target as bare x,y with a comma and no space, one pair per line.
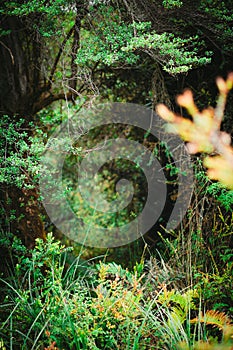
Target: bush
52,305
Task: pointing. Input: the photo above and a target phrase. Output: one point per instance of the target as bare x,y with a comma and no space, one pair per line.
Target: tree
34,36
33,41
47,48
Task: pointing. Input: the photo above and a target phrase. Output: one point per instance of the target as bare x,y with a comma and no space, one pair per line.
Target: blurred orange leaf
202,133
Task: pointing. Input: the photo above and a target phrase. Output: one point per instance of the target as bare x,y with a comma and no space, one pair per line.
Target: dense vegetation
170,288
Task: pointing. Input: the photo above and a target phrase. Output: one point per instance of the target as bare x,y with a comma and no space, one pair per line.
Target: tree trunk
19,84
24,90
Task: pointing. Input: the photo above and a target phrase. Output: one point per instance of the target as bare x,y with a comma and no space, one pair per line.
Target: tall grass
52,305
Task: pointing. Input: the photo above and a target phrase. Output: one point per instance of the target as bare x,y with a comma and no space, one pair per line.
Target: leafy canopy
114,42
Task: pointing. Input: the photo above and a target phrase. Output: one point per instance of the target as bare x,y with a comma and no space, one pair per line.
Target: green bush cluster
50,304
116,43
19,152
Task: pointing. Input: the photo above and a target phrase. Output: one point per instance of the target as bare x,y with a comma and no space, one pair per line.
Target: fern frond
214,318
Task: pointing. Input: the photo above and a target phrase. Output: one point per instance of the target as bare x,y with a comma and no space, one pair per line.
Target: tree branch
44,102
76,44
59,54
9,50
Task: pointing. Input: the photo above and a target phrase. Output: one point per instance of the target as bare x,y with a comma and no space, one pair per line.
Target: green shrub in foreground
50,305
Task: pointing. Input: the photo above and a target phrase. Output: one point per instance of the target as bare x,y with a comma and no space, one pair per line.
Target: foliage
222,25
182,299
172,3
46,14
175,327
2,347
211,188
216,288
19,152
203,134
199,253
50,304
115,42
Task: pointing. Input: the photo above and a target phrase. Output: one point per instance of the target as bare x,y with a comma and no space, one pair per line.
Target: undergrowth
51,304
